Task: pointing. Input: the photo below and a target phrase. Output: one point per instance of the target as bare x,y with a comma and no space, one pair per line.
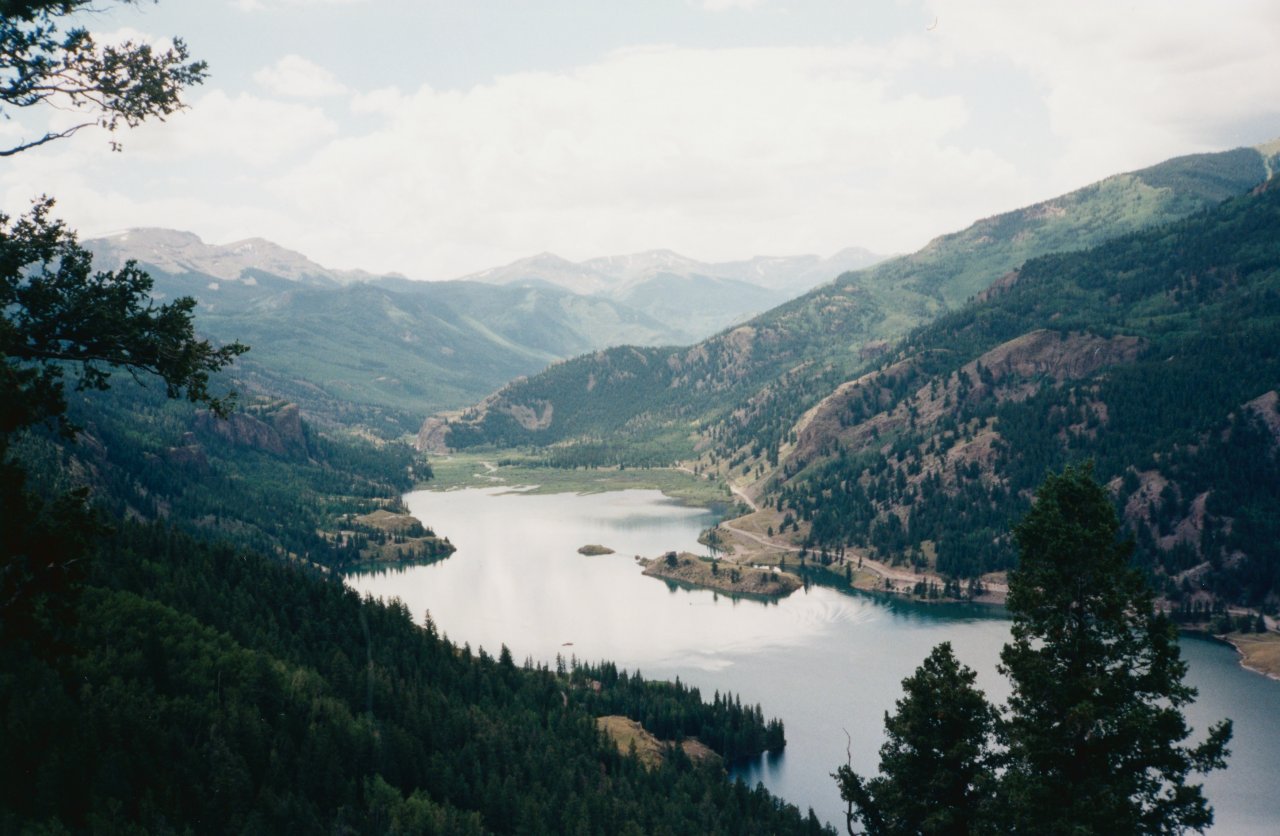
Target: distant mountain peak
157,236
544,268
179,251
626,269
548,258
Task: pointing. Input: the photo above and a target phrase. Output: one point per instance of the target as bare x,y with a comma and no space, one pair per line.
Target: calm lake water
828,663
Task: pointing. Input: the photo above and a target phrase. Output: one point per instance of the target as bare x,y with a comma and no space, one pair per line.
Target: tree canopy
56,311
45,62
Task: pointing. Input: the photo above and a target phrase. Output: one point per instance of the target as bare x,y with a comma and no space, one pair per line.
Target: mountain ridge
1153,354
704,297
178,251
747,385
617,273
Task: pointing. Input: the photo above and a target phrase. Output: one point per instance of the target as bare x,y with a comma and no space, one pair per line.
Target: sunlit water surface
829,664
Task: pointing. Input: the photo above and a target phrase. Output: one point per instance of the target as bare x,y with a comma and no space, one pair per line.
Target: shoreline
512,471
744,548
1257,652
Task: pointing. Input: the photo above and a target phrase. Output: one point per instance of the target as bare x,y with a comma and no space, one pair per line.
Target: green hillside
698,305
1156,354
265,478
749,385
385,353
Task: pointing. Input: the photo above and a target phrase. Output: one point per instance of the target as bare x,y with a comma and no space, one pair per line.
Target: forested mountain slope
204,669
196,688
1156,354
749,385
265,478
386,353
352,348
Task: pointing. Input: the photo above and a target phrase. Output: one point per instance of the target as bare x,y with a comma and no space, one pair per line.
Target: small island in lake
721,576
594,549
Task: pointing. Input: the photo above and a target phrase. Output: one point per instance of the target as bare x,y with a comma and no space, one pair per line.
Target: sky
436,138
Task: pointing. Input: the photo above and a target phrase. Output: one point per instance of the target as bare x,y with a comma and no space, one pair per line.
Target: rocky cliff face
433,437
276,429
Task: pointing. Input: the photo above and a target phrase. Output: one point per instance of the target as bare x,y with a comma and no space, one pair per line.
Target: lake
828,663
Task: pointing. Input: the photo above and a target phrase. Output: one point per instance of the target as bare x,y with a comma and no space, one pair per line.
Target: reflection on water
829,664
517,578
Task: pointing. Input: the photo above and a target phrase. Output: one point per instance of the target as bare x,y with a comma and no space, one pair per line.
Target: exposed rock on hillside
626,733
433,436
1266,408
275,429
1013,370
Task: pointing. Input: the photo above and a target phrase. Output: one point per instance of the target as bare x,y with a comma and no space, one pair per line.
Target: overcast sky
440,137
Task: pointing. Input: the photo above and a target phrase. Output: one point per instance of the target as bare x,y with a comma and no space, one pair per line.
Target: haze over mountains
385,351
177,252
699,297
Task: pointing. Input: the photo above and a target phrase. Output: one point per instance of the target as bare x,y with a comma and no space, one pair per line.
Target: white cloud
719,153
1130,83
725,153
66,171
294,75
248,129
127,34
725,5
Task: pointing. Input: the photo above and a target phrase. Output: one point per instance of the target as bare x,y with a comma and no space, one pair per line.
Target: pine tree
935,770
1095,728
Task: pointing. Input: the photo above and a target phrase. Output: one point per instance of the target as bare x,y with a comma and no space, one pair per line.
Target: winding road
882,570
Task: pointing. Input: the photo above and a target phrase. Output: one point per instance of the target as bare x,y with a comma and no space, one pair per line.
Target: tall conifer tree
935,770
1095,729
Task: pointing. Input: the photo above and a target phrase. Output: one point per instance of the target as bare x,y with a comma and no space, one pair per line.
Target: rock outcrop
274,428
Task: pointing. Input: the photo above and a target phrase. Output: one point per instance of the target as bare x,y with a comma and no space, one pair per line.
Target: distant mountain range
175,252
702,297
383,351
